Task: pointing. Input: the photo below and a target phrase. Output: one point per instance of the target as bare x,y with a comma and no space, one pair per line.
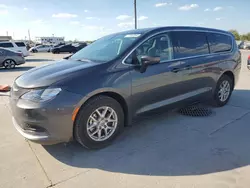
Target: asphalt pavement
160,150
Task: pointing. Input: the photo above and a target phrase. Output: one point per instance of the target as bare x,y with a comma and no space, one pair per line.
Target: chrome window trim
179,59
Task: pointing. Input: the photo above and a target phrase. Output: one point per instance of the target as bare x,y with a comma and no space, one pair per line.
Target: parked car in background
131,72
248,62
70,48
9,59
240,44
15,46
80,46
57,45
246,46
41,48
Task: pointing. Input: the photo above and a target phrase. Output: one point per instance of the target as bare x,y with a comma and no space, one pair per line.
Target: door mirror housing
148,60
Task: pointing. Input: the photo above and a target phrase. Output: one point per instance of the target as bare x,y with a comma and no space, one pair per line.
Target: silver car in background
9,59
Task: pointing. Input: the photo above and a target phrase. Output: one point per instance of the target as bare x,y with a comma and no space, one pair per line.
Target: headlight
41,95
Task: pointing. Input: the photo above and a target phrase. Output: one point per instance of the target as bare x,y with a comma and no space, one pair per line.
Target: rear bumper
248,64
20,60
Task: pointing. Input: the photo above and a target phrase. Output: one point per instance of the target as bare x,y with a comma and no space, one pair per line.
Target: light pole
135,10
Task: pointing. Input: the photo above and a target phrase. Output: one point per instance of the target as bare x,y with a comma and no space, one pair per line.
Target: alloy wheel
102,123
224,91
9,64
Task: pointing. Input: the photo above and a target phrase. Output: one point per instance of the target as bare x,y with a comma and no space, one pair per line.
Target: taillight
20,54
249,57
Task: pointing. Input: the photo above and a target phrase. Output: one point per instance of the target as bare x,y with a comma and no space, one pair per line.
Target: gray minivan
92,95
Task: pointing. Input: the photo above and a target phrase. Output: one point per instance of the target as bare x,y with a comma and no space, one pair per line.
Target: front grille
17,91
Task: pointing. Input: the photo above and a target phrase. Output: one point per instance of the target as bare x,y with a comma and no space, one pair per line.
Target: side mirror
5,88
148,60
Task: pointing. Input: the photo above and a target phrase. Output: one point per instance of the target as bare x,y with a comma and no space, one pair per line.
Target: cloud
162,4
3,6
125,24
86,11
207,10
200,23
92,18
64,15
4,12
74,22
93,27
188,7
25,8
142,18
219,19
218,8
123,17
38,21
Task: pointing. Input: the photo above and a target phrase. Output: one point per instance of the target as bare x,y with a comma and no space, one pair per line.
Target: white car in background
41,48
15,46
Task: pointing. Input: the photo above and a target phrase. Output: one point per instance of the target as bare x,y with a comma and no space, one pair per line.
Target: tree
236,34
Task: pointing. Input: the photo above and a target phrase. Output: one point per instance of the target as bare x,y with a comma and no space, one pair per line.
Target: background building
50,40
5,38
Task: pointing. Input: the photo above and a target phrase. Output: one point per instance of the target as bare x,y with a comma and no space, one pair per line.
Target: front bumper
47,123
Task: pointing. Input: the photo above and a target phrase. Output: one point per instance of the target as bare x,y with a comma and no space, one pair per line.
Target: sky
92,19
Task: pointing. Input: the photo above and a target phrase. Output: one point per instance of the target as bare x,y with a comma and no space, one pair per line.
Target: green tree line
238,36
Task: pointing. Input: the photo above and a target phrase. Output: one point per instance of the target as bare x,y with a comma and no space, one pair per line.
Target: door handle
175,70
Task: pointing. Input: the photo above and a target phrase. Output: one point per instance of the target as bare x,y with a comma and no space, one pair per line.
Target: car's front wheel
223,91
98,122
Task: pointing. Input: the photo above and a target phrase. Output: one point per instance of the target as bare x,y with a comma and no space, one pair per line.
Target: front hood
49,74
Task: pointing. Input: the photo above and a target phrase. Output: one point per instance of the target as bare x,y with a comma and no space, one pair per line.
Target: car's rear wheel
9,64
99,122
223,91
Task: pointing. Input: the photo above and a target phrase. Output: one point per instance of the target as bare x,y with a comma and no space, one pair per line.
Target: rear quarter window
189,43
219,42
6,45
20,44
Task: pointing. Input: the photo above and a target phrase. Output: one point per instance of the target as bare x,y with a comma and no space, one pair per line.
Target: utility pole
135,10
7,33
29,35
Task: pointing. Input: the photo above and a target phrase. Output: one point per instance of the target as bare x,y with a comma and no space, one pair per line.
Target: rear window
6,45
189,43
20,44
219,42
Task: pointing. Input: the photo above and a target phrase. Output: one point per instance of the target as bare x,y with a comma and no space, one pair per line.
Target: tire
9,64
218,100
81,131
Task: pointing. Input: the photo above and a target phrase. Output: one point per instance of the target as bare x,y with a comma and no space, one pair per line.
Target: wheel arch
230,74
115,95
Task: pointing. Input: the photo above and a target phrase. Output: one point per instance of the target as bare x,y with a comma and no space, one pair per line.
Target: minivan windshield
106,48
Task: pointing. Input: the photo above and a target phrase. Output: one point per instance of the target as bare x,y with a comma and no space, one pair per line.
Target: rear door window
219,42
189,43
6,45
20,44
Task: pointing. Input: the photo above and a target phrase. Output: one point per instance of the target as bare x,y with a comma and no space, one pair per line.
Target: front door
160,84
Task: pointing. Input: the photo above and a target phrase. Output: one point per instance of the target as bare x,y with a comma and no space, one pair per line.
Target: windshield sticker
132,35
